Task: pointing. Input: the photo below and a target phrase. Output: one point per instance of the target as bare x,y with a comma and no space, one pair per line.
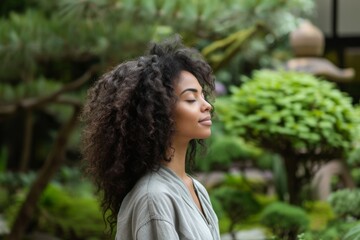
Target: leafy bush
71,216
346,203
355,173
335,230
293,107
302,118
320,213
353,233
353,161
224,150
13,186
235,200
284,220
354,157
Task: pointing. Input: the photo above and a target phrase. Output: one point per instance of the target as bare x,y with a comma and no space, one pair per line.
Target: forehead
186,80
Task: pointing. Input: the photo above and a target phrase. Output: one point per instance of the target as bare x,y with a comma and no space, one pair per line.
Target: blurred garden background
283,161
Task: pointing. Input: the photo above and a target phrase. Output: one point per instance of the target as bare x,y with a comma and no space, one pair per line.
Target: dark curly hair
128,119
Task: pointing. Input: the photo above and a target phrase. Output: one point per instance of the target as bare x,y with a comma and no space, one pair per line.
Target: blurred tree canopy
45,45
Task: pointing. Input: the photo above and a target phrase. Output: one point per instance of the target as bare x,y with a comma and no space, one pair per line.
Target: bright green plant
224,150
235,200
298,116
320,213
354,157
335,230
353,233
346,203
75,217
284,220
353,161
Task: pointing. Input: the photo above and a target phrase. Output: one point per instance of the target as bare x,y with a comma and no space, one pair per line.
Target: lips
206,121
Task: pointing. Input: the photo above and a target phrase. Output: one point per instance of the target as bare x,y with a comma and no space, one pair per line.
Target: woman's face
192,112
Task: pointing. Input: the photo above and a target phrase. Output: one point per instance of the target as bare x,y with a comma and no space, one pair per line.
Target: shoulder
153,184
152,193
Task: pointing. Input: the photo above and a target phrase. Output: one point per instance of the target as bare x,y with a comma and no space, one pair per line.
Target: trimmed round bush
290,108
284,220
304,119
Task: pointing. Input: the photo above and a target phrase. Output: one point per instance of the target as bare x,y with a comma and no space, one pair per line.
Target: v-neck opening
202,209
190,200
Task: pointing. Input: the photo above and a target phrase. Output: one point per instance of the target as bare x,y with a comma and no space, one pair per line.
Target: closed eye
190,100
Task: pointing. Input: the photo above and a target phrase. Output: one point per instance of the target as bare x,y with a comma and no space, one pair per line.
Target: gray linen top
160,207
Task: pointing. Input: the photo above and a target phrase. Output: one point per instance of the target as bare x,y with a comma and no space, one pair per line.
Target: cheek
184,118
184,114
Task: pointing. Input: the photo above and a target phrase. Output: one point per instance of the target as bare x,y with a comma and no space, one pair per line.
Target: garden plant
306,120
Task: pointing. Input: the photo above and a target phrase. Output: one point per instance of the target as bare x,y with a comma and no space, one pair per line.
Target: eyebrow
189,89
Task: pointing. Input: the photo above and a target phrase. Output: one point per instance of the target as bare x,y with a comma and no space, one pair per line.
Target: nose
206,106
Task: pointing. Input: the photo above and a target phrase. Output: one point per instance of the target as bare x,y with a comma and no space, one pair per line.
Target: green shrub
355,173
353,233
296,115
335,230
72,217
224,150
354,157
353,161
346,203
295,108
284,220
320,213
235,200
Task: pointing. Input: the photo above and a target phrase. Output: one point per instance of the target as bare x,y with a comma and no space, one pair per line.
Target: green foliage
284,220
209,15
346,203
353,161
296,115
335,230
267,46
76,217
14,181
280,180
13,204
67,208
320,213
3,159
13,189
224,150
235,200
355,173
354,157
289,109
353,233
38,88
220,52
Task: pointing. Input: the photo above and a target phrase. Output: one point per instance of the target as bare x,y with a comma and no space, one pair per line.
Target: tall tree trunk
28,135
50,167
293,183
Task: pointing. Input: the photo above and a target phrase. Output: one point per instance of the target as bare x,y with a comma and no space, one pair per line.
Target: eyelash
190,101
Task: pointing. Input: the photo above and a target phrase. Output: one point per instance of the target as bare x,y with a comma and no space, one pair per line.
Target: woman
143,121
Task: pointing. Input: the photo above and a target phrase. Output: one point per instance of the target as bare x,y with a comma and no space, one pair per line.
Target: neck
177,163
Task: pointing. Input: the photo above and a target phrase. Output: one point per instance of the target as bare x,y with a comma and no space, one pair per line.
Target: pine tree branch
31,103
